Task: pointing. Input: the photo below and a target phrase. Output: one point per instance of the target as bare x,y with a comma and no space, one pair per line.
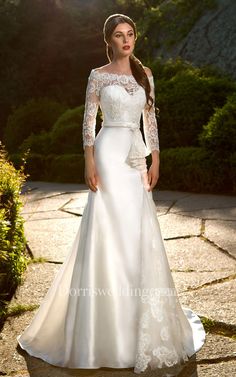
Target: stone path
200,237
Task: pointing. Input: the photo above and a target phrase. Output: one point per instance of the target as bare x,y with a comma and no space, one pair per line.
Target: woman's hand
91,176
153,176
153,172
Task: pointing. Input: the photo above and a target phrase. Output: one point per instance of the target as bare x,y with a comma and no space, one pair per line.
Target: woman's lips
126,47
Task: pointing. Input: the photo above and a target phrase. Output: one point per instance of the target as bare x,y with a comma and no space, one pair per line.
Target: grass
19,309
220,328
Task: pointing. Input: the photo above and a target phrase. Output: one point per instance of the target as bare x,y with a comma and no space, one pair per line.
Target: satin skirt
113,302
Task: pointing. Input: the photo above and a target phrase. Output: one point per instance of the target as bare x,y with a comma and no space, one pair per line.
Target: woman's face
123,35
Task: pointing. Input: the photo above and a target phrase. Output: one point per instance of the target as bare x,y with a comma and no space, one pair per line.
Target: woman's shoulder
148,71
97,73
102,69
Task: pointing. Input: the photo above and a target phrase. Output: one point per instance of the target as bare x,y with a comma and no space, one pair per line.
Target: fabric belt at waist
125,124
138,149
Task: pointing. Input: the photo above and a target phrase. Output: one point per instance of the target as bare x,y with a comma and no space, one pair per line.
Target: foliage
32,117
195,169
165,23
219,134
53,167
12,239
37,143
232,163
187,97
47,49
15,310
44,50
68,168
66,133
65,137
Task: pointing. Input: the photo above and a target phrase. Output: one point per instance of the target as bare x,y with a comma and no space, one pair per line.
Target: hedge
13,258
53,167
196,169
192,169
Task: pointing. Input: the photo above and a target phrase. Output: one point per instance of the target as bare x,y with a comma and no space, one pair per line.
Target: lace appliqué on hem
165,355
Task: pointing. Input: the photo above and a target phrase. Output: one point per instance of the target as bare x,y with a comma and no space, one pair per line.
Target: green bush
232,163
219,135
66,134
33,117
37,143
36,166
67,168
12,239
65,137
195,169
52,167
187,99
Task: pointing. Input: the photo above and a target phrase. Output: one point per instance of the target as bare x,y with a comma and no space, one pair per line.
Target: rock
211,41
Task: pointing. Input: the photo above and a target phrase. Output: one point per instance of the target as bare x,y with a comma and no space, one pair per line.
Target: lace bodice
121,99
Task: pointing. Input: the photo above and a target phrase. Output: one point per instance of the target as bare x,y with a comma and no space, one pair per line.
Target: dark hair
137,67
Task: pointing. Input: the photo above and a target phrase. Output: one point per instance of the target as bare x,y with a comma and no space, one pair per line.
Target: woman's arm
151,134
89,127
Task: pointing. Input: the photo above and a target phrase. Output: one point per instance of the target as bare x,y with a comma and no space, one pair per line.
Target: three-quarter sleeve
150,126
91,109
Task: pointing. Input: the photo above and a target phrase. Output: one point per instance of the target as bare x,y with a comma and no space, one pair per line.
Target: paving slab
216,301
211,214
173,225
172,196
77,211
221,369
222,233
198,255
52,238
42,189
11,359
194,202
162,206
217,346
37,279
46,215
77,201
47,204
192,280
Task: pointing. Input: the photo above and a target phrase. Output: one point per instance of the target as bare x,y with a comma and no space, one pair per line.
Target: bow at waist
138,148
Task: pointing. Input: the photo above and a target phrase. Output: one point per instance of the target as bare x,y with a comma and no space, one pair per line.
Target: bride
113,302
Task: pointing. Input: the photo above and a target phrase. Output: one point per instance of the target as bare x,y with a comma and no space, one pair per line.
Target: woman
113,303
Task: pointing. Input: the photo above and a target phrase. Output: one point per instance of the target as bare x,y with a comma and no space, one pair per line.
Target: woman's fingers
93,183
153,178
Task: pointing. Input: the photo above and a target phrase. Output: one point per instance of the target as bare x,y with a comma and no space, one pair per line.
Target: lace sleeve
90,111
150,126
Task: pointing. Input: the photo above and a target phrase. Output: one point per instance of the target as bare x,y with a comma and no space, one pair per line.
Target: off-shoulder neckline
116,74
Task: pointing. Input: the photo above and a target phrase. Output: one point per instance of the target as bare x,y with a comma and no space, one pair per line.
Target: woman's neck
121,65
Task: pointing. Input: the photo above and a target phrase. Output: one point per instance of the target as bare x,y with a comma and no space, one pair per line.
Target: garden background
47,51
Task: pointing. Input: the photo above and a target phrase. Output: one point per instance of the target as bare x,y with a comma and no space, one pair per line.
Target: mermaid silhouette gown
113,303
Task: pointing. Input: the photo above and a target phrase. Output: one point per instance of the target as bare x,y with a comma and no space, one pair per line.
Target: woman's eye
130,35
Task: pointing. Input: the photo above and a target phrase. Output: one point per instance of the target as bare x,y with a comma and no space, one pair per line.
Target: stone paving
199,232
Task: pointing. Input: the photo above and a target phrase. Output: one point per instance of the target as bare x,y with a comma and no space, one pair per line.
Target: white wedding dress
113,302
